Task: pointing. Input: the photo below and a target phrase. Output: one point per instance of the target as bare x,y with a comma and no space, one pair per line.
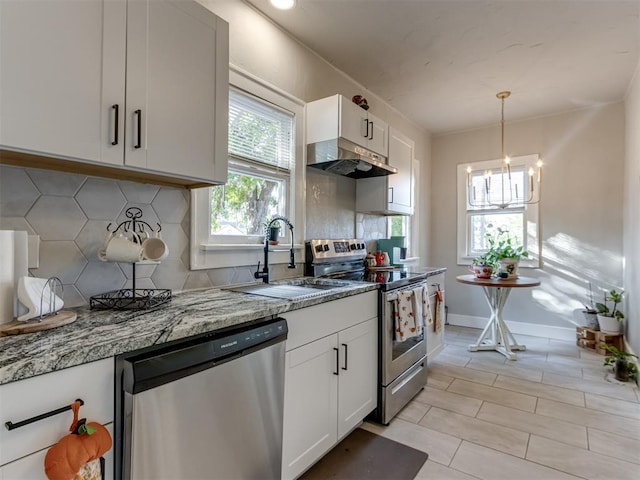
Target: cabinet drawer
92,382
309,324
31,467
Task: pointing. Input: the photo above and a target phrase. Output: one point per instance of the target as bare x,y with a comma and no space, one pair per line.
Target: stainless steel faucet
264,274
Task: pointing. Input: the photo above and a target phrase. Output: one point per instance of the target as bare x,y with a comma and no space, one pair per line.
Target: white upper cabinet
177,89
67,68
337,116
393,194
60,73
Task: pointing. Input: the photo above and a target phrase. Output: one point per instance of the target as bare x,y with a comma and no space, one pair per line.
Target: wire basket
129,299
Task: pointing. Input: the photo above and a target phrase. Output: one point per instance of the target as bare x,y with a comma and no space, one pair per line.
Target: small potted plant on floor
609,319
503,254
622,363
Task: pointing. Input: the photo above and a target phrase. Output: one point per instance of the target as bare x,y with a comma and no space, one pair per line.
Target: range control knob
318,248
325,247
353,246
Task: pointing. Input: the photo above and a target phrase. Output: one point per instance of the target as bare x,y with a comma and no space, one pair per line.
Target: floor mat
365,455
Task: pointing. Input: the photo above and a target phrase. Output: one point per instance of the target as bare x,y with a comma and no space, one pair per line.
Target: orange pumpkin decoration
65,459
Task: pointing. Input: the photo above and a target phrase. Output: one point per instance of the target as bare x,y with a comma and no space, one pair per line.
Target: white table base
496,336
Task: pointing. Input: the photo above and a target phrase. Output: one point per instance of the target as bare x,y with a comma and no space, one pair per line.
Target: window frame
530,212
207,251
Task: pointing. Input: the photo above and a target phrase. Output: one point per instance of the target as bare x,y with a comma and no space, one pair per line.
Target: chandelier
509,189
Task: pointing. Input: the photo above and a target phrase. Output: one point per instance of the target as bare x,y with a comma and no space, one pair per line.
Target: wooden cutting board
63,317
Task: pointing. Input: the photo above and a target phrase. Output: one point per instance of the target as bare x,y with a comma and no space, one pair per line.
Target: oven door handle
345,355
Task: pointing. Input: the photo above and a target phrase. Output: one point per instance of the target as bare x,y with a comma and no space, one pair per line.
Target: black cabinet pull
345,356
337,360
138,113
366,123
11,426
371,132
116,109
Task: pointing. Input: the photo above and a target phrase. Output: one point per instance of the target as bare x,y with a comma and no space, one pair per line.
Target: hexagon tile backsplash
71,212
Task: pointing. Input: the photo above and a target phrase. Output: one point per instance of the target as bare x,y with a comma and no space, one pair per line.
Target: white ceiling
441,63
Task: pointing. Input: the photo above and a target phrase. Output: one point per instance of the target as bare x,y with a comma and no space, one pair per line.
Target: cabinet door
310,404
435,340
358,374
177,89
401,153
61,71
378,136
354,123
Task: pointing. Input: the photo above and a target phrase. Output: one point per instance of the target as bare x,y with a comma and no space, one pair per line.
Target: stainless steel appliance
342,157
208,407
402,366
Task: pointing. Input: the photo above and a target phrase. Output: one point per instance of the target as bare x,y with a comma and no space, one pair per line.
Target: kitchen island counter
99,334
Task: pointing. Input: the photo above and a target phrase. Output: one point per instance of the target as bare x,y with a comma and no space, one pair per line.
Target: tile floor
555,413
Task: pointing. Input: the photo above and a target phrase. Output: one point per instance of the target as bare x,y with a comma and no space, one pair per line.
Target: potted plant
609,319
272,231
589,313
503,254
481,267
623,366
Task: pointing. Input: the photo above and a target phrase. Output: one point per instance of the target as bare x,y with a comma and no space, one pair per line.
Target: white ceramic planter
608,324
509,265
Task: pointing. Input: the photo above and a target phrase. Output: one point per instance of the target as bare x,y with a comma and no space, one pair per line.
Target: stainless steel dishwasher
209,407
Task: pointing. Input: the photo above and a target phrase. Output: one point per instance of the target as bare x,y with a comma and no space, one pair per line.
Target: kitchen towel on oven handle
421,310
403,316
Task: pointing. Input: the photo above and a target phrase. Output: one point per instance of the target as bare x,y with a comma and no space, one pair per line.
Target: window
261,139
476,219
265,138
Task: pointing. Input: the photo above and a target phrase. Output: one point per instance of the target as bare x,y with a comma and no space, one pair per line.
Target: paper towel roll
13,265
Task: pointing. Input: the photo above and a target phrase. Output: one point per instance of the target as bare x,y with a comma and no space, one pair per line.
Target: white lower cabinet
22,449
330,382
435,339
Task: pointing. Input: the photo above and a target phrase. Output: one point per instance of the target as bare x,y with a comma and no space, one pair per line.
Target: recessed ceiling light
283,4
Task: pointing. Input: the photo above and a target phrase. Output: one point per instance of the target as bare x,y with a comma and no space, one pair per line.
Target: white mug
154,248
121,249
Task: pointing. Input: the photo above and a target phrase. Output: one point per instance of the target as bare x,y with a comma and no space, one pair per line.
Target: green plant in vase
609,318
503,254
622,363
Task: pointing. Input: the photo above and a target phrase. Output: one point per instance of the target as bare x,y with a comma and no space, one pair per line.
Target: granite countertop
98,334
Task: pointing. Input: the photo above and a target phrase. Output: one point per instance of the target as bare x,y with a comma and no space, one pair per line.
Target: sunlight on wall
569,265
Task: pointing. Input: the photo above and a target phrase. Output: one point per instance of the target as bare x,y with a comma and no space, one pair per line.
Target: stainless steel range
402,366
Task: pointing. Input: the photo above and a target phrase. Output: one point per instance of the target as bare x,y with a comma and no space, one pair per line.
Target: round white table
496,336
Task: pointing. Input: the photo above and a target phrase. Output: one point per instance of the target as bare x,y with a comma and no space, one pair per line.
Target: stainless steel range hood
342,157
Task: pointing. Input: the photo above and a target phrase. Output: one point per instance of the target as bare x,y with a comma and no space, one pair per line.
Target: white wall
263,49
632,214
580,211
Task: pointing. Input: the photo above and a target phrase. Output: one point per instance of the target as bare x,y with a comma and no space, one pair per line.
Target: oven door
397,357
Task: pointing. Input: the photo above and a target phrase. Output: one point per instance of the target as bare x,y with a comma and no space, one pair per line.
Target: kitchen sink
296,289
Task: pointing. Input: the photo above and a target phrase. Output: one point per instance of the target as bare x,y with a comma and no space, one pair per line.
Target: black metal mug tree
132,298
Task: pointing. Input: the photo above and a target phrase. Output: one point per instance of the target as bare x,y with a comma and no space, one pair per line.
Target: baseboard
521,328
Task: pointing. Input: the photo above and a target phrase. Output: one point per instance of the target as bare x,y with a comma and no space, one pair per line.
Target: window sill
281,247
218,255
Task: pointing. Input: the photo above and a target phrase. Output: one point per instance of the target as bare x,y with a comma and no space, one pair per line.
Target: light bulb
507,160
283,4
469,170
539,164
531,172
